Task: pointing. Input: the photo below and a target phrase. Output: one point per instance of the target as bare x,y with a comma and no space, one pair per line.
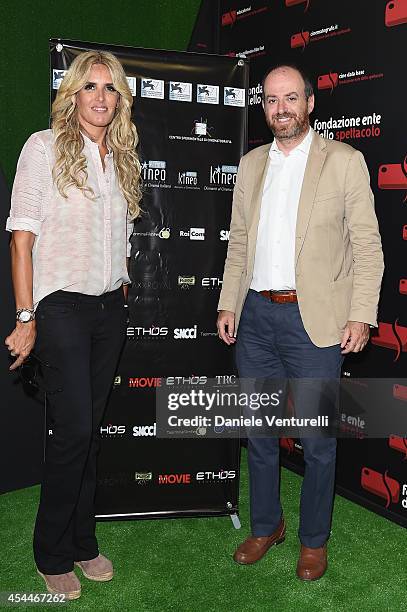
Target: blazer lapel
313,169
258,177
259,174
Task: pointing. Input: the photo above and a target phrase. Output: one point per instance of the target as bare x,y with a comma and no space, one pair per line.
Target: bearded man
301,281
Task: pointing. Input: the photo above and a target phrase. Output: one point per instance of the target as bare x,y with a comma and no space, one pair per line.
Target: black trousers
80,337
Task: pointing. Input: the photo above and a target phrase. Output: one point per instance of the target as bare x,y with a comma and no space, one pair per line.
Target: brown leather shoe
312,563
253,549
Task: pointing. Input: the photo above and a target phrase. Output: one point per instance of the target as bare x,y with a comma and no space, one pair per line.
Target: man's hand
355,337
21,341
226,321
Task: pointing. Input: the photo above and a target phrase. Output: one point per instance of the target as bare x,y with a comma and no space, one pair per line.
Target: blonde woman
75,194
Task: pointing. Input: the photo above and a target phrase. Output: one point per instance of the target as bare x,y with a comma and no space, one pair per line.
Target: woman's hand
21,342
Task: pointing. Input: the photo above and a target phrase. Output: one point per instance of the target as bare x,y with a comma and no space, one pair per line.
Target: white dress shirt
275,246
80,243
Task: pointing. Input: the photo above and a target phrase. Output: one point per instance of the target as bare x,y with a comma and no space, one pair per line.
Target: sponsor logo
255,94
399,444
152,88
187,179
222,175
201,131
391,336
150,282
349,128
118,479
403,286
215,476
112,430
381,485
186,380
194,233
230,17
57,76
117,381
254,52
201,128
290,445
301,39
221,178
153,332
154,173
233,96
400,392
393,176
145,382
404,232
212,282
144,431
170,479
395,13
226,380
294,2
331,80
143,478
355,425
224,235
207,94
132,81
209,334
328,81
164,233
185,282
185,333
180,92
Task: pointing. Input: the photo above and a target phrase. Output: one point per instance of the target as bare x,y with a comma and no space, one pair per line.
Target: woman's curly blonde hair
70,165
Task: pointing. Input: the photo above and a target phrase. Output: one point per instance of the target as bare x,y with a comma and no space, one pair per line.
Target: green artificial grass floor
186,565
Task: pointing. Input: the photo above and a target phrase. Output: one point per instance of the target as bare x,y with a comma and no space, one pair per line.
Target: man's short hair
308,88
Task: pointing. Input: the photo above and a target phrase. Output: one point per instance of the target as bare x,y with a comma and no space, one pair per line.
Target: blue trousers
272,343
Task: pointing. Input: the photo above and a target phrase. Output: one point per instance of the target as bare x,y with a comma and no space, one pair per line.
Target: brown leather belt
281,297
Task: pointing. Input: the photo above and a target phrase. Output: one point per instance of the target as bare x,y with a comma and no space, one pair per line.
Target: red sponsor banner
392,337
403,286
381,485
294,2
301,39
328,81
393,176
395,13
229,18
400,392
404,232
399,444
288,444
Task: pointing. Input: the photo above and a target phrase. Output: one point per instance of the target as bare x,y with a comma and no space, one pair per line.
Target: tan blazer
338,254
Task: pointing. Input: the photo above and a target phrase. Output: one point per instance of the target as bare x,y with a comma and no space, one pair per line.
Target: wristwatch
25,315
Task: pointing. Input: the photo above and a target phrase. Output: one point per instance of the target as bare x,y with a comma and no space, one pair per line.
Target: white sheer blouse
80,243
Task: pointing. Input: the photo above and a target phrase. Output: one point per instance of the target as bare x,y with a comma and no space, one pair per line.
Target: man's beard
296,128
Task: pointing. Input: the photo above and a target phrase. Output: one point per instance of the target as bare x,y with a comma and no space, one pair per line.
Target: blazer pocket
342,290
322,197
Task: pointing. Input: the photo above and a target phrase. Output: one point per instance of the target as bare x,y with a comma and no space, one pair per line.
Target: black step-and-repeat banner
353,51
191,116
